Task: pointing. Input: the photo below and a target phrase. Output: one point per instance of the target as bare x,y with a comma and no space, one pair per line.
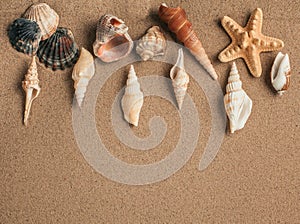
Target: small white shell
31,88
133,99
280,73
83,71
237,103
180,79
152,44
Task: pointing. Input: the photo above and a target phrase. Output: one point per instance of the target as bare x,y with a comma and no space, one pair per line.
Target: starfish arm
270,44
255,21
232,28
252,60
230,53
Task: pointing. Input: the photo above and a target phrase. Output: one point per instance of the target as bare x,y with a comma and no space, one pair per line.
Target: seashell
152,44
83,71
59,51
237,103
46,18
24,35
133,99
281,73
180,79
177,22
31,88
112,40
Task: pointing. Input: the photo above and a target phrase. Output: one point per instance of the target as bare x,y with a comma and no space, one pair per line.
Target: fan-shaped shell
133,99
59,51
180,79
281,73
46,18
24,35
83,71
238,104
152,44
112,40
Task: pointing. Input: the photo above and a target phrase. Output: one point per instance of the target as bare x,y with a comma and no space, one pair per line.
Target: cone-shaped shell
24,35
180,79
177,22
59,51
31,88
112,40
237,103
152,44
46,18
83,71
281,73
133,99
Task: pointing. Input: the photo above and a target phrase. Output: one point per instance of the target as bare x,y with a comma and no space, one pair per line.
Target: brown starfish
248,42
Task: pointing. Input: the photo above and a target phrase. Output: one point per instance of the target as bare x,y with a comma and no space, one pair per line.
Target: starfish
248,42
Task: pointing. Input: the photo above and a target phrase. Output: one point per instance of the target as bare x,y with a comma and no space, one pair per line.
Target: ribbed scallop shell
24,35
180,79
281,73
112,40
46,18
237,103
59,51
152,44
133,99
83,71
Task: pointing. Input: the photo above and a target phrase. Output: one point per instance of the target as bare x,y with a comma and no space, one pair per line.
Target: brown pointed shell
46,18
112,40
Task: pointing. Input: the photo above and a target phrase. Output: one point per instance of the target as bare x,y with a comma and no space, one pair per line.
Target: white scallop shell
83,71
238,104
280,73
133,99
180,79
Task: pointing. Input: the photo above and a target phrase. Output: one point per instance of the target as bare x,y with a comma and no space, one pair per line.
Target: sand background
255,177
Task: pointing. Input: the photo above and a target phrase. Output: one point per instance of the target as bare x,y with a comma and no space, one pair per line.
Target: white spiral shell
238,104
133,99
83,71
180,79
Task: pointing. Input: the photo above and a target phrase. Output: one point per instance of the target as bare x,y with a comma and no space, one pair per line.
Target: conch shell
237,103
178,23
83,71
152,44
281,73
180,79
112,40
133,99
45,16
31,88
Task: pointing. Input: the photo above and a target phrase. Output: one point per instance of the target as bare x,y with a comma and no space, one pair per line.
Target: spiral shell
59,51
178,23
133,99
31,88
83,71
180,79
281,73
24,35
152,44
112,40
237,103
46,18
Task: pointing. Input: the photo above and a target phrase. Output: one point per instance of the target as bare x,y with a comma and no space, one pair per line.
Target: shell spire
83,71
180,79
178,23
237,103
133,98
281,73
152,44
31,88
